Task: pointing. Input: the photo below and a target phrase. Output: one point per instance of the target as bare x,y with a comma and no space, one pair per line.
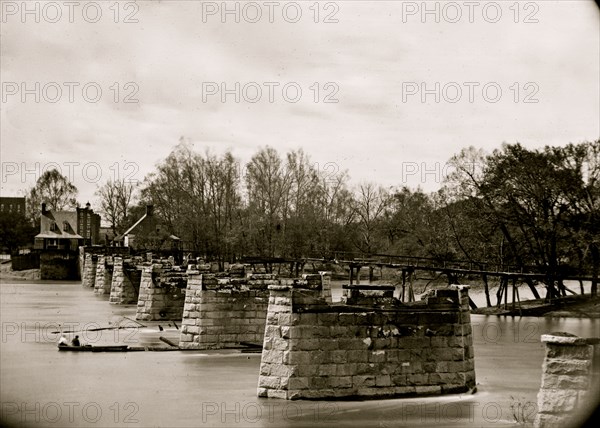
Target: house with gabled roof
148,233
67,230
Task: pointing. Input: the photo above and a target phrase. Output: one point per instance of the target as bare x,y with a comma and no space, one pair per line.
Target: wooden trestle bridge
409,265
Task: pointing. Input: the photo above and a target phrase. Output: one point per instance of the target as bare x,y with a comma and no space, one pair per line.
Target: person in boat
63,341
75,341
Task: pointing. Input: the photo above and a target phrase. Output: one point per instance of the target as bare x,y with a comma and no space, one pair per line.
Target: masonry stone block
567,379
89,270
235,306
162,292
122,290
379,351
103,278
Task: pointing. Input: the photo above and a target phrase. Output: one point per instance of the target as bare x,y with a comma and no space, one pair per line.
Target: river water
40,386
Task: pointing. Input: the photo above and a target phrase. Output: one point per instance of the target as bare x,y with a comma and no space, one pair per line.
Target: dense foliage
530,209
536,210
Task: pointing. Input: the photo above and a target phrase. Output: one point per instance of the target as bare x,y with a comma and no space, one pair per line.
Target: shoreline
25,275
577,306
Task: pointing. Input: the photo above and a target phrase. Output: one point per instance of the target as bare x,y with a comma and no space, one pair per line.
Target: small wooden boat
90,348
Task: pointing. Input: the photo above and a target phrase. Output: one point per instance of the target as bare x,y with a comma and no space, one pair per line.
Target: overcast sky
174,57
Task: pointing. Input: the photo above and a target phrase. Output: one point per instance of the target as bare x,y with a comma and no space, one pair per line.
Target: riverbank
6,273
572,306
580,306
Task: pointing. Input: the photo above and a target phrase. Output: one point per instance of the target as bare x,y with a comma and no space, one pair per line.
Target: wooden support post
168,342
551,289
487,290
351,273
500,291
472,304
519,300
529,282
506,293
514,291
561,287
403,284
411,293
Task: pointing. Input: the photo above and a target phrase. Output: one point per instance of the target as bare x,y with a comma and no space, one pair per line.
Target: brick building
12,205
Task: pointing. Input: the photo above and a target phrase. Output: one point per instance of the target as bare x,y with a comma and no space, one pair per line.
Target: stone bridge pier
104,271
570,380
162,292
125,284
371,346
88,279
226,309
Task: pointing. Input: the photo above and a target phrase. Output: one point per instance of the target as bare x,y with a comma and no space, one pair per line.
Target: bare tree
223,203
337,212
268,183
116,198
370,205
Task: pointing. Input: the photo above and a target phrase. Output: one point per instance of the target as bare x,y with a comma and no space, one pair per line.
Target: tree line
533,209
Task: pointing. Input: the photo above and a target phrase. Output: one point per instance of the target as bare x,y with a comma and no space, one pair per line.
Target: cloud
163,60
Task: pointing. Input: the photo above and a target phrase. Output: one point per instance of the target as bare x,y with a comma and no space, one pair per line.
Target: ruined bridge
370,344
409,265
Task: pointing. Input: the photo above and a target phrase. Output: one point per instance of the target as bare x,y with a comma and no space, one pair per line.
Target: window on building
66,226
53,227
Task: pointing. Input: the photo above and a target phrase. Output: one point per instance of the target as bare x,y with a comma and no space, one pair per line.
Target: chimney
43,207
149,210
